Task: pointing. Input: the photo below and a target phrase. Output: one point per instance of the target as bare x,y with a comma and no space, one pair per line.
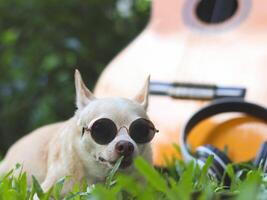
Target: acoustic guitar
197,41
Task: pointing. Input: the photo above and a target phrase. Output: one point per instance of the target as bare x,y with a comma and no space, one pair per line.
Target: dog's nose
124,148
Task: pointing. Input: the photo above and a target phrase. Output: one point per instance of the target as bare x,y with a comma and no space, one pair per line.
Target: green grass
178,181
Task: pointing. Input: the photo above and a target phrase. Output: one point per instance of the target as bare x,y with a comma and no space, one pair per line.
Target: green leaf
23,185
47,195
58,188
11,194
129,184
101,192
249,189
37,187
50,62
151,175
9,37
112,173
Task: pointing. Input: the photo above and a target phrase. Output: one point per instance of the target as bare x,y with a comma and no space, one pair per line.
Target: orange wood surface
176,46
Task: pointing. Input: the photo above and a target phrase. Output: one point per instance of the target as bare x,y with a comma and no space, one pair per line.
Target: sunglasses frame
151,126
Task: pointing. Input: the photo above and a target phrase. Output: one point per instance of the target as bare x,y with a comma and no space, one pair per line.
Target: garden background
42,42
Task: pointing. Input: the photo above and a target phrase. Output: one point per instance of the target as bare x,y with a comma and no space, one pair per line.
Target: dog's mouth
126,162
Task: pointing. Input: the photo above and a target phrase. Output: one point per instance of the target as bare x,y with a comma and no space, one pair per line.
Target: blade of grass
112,173
151,175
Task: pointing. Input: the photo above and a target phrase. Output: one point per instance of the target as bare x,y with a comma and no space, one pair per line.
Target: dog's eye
103,131
142,131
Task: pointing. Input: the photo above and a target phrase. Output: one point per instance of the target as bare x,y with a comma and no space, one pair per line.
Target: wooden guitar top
177,46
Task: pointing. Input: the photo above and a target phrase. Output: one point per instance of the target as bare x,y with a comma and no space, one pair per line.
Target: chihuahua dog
87,145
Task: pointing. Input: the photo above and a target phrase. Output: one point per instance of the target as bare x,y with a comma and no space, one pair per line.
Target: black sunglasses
104,130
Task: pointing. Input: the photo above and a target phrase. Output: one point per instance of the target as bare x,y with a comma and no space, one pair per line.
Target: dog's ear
83,94
142,96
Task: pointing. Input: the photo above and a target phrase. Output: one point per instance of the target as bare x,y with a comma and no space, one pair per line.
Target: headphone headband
219,106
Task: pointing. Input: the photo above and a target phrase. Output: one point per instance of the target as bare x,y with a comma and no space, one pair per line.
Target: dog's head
112,127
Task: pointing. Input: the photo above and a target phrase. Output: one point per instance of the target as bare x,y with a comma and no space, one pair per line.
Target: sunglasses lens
142,131
103,131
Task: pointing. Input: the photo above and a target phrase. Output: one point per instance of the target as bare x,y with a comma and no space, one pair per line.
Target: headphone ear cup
220,161
261,158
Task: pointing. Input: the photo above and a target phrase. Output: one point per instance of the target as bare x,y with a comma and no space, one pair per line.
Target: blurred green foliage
41,42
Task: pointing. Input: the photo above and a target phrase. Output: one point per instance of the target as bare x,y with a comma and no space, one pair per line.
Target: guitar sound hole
216,11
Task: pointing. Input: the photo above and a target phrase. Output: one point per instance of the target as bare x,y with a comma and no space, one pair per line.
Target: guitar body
176,46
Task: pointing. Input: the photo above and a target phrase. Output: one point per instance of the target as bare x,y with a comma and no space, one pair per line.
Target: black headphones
220,159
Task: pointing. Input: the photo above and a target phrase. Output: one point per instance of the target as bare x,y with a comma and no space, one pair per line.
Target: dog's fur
59,149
